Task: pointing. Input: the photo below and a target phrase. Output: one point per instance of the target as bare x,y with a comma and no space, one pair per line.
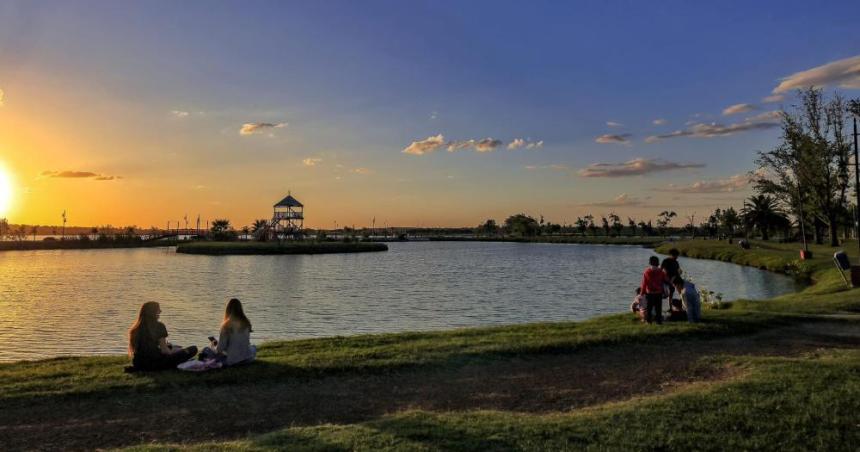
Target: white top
236,345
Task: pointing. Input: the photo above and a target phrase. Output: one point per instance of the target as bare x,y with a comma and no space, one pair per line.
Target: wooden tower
288,218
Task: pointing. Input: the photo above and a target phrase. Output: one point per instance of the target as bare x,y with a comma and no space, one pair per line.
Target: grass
803,403
287,247
584,240
769,374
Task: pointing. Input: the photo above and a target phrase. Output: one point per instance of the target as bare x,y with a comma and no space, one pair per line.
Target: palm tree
762,212
260,229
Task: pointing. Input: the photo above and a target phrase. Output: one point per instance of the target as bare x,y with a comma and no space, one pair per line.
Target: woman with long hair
234,341
147,342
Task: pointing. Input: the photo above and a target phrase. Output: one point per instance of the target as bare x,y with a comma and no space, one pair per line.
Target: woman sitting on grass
234,341
147,342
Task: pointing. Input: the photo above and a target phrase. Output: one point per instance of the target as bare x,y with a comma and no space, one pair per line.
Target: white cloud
634,167
311,161
614,124
362,171
658,122
623,138
553,167
622,200
434,115
762,121
728,185
179,113
517,143
425,146
738,108
250,128
1,97
773,98
844,73
482,145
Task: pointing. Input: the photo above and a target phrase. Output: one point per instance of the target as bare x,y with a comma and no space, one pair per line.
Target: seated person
676,310
638,305
234,341
147,342
690,298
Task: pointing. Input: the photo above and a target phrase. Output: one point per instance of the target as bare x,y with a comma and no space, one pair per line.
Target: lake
81,302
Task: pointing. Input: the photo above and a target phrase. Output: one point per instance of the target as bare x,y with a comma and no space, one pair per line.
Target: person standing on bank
672,269
653,282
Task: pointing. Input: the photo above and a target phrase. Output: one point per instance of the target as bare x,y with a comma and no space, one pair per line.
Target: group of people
149,349
660,281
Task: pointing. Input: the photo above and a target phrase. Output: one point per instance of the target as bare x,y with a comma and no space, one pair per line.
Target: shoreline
275,248
484,368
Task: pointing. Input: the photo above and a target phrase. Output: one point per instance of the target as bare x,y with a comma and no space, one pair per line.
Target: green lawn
770,374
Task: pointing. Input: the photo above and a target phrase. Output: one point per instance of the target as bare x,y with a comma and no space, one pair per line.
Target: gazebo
288,218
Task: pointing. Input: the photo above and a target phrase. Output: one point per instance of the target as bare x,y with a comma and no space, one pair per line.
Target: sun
5,191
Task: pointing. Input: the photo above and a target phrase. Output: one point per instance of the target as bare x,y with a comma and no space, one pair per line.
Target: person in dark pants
672,269
147,342
653,282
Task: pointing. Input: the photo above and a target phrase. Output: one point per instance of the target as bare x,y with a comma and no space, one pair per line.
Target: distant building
288,218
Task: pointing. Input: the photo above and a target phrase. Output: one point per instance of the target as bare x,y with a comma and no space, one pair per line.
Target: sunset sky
416,113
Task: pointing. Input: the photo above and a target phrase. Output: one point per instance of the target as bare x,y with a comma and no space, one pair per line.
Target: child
638,305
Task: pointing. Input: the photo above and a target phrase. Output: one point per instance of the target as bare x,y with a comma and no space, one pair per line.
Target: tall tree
761,212
809,170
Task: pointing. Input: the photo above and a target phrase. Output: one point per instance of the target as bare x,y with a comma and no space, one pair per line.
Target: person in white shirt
690,298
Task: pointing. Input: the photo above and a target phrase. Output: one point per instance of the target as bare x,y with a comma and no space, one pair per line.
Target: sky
437,113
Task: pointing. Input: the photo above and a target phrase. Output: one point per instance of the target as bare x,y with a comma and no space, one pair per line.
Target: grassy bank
757,375
286,247
74,244
582,240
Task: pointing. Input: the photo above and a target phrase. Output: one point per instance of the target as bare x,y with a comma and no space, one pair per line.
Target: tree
761,212
488,227
631,223
617,227
581,225
589,219
664,219
34,230
809,170
604,223
522,225
221,229
260,229
730,221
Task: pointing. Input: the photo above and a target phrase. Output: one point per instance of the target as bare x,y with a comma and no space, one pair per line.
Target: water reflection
81,302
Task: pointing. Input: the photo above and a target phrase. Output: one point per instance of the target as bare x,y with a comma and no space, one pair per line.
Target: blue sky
156,93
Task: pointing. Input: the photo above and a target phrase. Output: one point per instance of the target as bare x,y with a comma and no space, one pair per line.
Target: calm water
56,303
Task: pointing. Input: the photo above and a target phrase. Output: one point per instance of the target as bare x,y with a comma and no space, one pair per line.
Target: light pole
854,108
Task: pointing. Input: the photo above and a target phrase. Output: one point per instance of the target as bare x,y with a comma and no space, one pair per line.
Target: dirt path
537,384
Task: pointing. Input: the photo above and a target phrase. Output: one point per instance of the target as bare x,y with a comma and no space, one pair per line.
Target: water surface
81,302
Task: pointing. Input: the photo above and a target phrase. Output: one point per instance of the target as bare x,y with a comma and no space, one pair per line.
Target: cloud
773,98
425,146
179,113
728,185
434,115
250,128
553,167
658,122
1,97
482,145
77,175
762,121
311,161
844,73
623,138
518,143
635,167
361,171
614,124
738,108
622,200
